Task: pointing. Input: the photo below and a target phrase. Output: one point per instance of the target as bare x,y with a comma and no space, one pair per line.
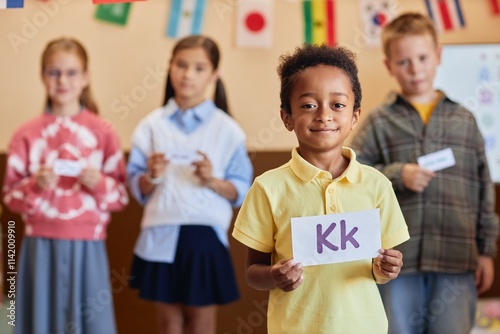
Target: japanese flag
254,23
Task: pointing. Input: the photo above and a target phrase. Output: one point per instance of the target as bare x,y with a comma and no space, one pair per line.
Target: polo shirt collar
308,172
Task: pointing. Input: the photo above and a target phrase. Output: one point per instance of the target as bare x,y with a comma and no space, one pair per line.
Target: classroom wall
126,60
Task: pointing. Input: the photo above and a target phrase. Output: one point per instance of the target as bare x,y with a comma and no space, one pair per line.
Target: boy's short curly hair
311,56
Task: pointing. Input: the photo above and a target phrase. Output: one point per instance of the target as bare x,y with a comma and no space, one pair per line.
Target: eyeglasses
56,74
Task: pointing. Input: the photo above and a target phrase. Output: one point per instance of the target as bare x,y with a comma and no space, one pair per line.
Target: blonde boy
450,212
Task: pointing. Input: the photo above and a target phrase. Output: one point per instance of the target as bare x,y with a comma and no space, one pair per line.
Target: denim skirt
63,286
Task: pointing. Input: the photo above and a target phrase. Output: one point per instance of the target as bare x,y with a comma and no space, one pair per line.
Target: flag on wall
186,18
375,15
6,4
319,21
495,6
446,14
114,13
95,2
254,24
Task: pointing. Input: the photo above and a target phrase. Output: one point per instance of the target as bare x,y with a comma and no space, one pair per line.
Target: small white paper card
437,160
65,167
336,238
181,157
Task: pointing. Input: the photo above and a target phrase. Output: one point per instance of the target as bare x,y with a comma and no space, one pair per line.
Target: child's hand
157,165
485,273
90,177
387,265
415,177
203,169
46,178
287,274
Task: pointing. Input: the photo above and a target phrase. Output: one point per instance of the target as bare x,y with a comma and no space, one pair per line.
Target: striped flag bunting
186,18
319,21
96,2
7,4
495,6
446,14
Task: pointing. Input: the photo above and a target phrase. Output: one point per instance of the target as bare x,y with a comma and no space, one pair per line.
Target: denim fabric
431,303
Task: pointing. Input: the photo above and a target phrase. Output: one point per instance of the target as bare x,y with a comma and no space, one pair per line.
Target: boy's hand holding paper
437,160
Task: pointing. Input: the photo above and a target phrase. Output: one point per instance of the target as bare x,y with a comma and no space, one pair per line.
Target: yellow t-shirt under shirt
425,109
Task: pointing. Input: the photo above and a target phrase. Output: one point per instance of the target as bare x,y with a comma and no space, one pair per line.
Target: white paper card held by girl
65,167
181,157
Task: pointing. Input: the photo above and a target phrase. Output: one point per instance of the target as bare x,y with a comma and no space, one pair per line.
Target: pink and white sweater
69,210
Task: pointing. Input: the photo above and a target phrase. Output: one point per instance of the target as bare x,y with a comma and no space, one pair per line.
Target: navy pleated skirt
202,273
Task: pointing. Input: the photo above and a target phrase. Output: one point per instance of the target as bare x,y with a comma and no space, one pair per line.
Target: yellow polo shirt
334,298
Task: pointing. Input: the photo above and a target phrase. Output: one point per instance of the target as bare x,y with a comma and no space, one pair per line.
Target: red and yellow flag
319,25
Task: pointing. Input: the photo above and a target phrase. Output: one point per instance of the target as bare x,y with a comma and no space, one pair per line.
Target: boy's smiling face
322,115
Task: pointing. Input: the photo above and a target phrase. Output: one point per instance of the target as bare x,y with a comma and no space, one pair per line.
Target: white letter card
437,160
336,238
181,157
65,167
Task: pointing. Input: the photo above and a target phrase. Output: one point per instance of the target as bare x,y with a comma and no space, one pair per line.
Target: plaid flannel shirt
454,219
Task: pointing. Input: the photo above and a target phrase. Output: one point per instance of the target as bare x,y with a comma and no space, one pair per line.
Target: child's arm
485,273
416,178
45,178
285,275
224,188
22,194
138,167
387,265
156,166
107,184
487,221
373,148
23,191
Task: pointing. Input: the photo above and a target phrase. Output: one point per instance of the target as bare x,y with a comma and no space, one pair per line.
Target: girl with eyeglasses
65,173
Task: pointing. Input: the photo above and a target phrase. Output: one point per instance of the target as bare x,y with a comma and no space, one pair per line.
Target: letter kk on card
336,238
